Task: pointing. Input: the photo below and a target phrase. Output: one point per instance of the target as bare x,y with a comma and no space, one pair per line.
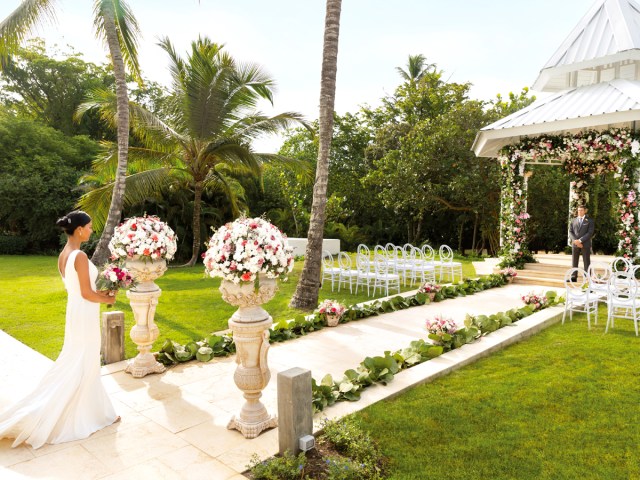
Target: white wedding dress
70,403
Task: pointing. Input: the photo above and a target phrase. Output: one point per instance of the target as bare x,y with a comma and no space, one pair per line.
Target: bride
70,403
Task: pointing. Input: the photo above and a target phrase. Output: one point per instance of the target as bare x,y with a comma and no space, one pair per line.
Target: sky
499,46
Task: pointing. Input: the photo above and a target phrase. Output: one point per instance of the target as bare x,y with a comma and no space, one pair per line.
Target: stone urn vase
250,326
143,299
332,320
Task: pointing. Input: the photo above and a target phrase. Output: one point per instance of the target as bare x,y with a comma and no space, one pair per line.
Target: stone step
547,282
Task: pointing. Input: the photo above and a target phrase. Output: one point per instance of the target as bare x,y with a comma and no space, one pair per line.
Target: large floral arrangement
146,237
241,250
584,155
535,300
331,307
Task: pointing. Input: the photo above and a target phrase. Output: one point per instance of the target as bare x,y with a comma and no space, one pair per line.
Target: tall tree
417,66
115,24
206,138
308,288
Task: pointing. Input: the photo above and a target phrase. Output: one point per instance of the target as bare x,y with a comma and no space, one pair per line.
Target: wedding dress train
70,403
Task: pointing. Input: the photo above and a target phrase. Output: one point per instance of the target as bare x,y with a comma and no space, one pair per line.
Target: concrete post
112,337
295,411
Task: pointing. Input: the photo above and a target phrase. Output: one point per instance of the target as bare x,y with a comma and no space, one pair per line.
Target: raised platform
550,269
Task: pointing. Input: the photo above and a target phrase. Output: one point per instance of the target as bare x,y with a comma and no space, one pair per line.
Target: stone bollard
295,411
112,337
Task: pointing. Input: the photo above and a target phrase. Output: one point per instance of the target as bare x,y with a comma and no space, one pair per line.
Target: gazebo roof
599,106
606,36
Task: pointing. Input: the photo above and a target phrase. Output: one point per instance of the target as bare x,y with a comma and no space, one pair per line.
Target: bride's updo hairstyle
73,220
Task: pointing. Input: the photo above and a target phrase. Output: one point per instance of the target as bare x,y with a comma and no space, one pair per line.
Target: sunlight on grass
561,405
32,307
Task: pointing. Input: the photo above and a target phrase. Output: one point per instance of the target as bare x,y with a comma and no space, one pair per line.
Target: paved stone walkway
174,424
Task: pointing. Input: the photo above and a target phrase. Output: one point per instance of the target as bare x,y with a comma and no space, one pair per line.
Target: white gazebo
587,124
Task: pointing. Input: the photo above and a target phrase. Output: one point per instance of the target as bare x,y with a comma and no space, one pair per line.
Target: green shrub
285,467
350,440
13,245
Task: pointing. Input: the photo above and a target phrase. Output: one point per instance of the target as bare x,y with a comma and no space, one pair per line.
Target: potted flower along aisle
331,311
250,254
144,244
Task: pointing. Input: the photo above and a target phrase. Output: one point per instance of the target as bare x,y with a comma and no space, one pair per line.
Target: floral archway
583,155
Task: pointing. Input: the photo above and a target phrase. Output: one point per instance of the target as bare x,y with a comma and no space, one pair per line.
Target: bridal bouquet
114,277
537,301
146,237
241,250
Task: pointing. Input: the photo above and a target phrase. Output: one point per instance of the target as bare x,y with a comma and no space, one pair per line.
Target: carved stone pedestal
144,299
250,325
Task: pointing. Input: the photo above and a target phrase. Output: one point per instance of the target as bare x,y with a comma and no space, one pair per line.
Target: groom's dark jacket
584,232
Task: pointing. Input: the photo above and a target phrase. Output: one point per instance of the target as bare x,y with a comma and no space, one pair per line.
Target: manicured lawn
32,305
561,405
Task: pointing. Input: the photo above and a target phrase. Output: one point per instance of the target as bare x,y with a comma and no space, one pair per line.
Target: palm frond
300,167
139,187
255,125
20,23
126,27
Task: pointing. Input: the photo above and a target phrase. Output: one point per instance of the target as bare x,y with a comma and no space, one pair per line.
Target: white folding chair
390,248
420,268
622,300
599,274
578,297
429,256
365,275
379,250
620,264
447,264
329,271
347,274
385,276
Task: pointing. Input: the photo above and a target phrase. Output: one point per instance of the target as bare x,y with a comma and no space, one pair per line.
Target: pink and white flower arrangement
441,327
508,272
241,250
430,287
114,277
146,237
535,300
331,307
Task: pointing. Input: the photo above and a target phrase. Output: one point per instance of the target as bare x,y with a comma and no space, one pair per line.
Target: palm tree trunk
197,209
101,254
308,288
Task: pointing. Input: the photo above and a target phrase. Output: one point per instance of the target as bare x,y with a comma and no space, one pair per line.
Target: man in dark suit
580,231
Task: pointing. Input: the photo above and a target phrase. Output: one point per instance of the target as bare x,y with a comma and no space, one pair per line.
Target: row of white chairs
614,284
389,266
408,256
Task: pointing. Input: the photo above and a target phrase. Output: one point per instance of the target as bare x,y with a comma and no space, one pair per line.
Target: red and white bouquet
535,300
331,307
241,250
147,237
113,277
430,287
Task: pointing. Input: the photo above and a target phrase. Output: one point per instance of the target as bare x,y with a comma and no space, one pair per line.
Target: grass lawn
33,301
561,405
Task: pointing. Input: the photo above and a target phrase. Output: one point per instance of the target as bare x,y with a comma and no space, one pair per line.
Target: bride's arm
82,267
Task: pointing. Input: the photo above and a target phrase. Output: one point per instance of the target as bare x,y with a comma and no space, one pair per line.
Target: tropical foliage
204,139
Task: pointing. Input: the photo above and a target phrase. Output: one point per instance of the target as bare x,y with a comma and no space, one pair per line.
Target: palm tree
417,67
308,288
114,24
205,139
